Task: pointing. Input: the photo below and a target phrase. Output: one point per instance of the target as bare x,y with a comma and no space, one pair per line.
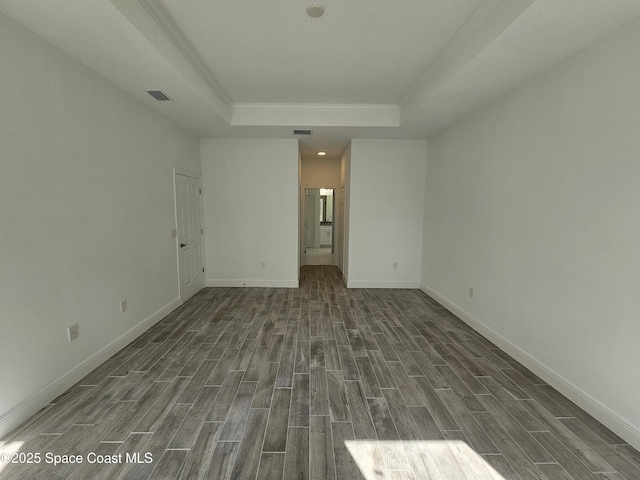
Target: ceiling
365,69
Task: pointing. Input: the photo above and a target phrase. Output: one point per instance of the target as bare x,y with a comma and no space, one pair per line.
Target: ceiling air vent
158,95
302,132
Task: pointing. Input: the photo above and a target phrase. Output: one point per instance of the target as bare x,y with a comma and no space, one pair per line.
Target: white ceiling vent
158,95
302,132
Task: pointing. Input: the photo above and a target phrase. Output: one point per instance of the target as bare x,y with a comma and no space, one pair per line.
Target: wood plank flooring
319,382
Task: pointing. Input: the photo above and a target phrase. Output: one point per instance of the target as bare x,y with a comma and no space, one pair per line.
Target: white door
190,267
309,220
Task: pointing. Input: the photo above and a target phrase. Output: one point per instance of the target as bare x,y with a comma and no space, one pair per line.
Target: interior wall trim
605,415
25,409
252,283
381,284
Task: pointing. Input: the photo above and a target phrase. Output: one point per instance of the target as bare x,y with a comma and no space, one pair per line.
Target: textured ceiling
358,52
366,69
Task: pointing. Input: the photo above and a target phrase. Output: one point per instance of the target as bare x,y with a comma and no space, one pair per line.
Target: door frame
187,173
303,211
306,223
339,235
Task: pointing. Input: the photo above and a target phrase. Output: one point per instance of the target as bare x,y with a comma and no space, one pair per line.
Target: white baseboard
605,415
20,413
215,282
381,284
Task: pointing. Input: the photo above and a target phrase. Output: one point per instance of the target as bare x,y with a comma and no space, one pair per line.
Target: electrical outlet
395,265
471,291
123,306
263,265
73,332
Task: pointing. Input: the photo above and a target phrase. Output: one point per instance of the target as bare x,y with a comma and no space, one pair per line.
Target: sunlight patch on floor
427,459
6,451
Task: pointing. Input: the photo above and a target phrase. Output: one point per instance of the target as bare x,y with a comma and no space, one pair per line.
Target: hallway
319,256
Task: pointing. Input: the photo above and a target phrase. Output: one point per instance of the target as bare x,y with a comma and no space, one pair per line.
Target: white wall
535,202
386,208
329,207
320,172
250,192
86,212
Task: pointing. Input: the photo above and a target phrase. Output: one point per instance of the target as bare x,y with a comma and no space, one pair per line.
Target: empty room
336,240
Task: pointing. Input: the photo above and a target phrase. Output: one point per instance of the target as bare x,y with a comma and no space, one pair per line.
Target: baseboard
605,415
20,413
252,283
381,284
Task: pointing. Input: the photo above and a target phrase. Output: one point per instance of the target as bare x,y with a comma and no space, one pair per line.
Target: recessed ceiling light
315,10
322,154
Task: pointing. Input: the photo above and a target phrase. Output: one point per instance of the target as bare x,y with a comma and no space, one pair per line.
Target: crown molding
156,27
164,20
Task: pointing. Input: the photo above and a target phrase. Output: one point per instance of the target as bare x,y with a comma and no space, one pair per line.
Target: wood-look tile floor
318,382
319,256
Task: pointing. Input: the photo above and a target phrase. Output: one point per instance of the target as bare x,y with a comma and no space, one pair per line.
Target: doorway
319,226
188,233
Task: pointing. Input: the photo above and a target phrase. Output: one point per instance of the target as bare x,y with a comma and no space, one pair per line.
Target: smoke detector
315,10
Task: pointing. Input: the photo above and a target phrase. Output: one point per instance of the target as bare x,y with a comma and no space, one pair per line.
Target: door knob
183,245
